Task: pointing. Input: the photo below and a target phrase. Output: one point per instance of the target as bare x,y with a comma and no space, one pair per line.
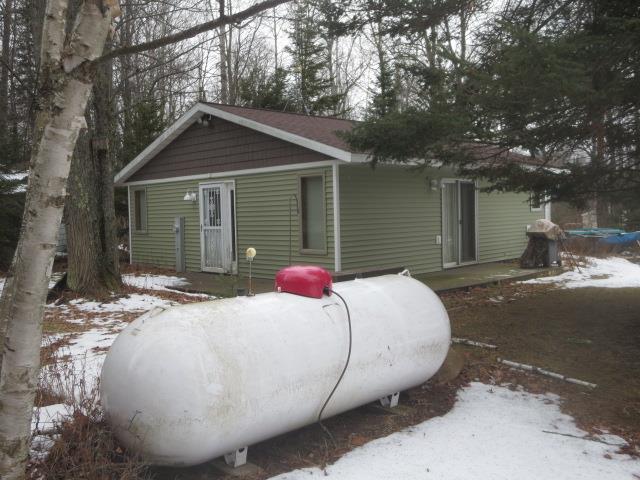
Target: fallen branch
591,439
541,371
473,343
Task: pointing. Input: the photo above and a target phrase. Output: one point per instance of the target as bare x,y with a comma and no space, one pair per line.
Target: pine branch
192,32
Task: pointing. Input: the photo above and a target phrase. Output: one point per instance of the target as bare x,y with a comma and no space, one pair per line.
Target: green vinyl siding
389,217
502,225
156,246
262,222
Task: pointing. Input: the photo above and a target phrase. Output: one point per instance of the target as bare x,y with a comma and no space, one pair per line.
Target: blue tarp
621,239
595,232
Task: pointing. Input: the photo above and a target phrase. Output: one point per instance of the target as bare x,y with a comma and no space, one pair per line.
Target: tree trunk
222,43
92,242
104,154
63,96
4,68
81,222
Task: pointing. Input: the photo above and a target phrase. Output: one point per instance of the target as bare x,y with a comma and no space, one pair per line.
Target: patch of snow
40,446
76,368
54,279
612,272
154,282
133,302
160,282
46,418
491,433
16,177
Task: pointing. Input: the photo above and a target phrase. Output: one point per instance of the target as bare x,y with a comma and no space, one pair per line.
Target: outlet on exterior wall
438,239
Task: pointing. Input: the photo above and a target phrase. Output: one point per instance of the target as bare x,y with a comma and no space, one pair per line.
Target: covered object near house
288,185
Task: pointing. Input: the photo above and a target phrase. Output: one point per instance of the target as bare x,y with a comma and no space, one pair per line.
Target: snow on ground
46,418
76,366
612,272
154,282
491,433
54,278
147,281
161,282
133,302
83,352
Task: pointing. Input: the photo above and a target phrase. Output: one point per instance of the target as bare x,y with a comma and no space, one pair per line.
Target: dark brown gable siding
221,147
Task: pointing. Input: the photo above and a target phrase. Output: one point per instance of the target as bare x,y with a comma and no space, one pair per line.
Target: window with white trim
535,202
140,210
312,214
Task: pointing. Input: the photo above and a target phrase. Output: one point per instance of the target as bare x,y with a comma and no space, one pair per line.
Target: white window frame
541,203
145,227
312,251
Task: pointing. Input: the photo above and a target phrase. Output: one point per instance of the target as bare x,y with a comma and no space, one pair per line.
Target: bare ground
592,334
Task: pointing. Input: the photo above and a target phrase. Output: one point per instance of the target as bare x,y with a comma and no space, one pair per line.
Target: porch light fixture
205,120
190,196
433,183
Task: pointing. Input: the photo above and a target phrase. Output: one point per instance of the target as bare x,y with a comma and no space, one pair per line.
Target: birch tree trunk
4,68
67,70
63,94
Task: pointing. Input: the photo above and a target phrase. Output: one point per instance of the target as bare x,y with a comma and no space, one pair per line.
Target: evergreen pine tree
558,80
146,121
312,85
261,90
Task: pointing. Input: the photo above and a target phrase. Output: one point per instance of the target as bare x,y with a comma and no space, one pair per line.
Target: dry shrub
81,445
86,448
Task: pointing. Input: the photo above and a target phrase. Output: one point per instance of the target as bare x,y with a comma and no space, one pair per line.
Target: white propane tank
193,382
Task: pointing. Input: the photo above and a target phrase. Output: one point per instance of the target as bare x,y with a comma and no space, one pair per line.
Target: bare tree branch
192,32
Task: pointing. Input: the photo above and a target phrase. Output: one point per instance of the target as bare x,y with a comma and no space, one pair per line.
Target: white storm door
216,228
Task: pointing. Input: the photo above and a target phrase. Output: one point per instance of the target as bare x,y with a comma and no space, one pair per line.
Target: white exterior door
217,227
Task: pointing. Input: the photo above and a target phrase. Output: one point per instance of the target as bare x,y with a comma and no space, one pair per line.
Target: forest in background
553,79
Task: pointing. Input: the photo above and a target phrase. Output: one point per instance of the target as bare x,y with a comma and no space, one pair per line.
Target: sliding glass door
458,222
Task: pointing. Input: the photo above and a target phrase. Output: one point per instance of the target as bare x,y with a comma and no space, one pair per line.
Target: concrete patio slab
479,274
450,279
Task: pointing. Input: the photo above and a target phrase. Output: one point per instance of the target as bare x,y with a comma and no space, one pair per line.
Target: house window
312,214
535,202
140,210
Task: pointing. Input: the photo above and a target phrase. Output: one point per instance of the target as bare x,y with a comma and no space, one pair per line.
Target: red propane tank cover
305,280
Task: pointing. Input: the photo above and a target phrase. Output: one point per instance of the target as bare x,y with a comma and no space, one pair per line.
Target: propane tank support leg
390,401
237,458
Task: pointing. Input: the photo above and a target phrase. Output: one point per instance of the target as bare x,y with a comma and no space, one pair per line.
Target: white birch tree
68,65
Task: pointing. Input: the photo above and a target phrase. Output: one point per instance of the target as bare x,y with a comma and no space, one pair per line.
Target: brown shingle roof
320,129
323,130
